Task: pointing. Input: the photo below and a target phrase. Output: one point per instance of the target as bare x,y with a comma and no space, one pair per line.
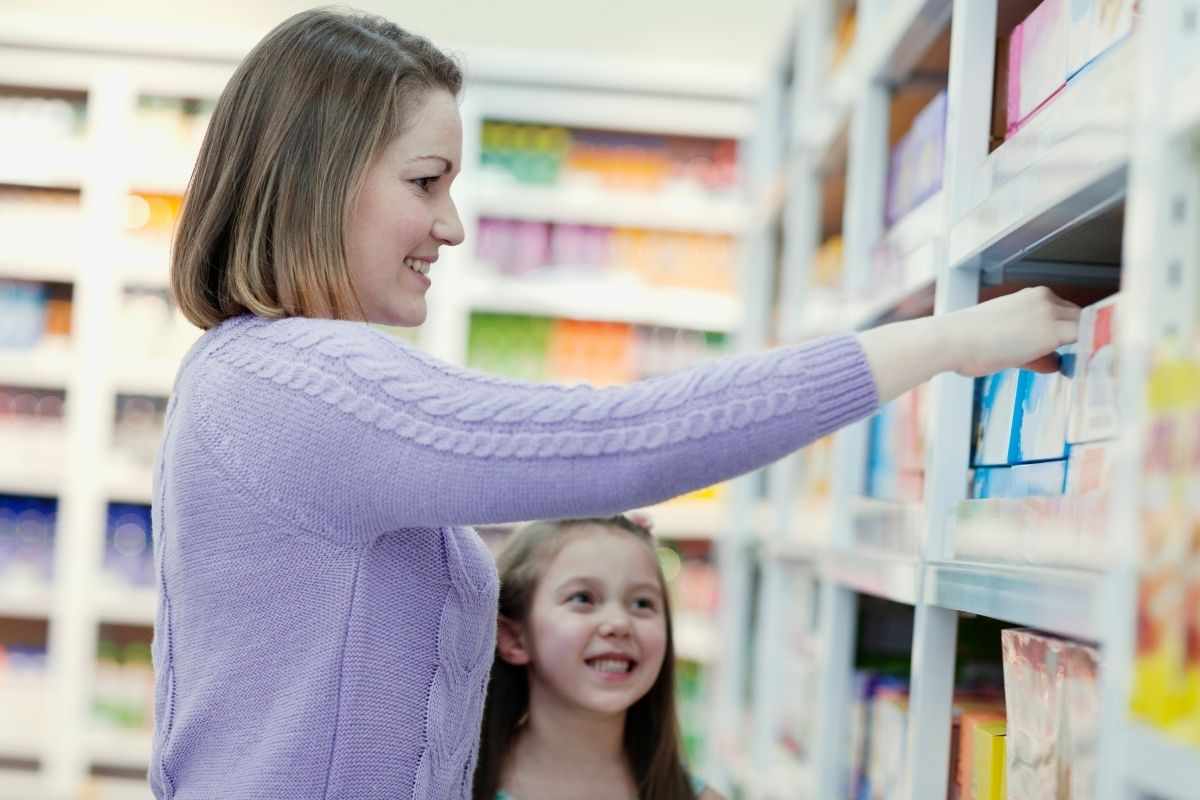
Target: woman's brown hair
262,228
652,740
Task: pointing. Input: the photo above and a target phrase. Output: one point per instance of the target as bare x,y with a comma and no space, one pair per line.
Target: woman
326,619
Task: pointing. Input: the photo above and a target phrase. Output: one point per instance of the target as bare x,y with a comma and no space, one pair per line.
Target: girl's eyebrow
447,169
647,586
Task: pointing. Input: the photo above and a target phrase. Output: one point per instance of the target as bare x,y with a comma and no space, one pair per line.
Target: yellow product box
988,754
1158,689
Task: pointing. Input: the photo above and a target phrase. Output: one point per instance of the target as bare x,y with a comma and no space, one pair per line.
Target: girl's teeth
611,665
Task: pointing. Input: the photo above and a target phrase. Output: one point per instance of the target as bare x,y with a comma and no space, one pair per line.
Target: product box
1042,479
917,161
1034,693
1042,411
889,725
996,404
1094,411
1083,718
1093,26
964,764
1037,61
1089,483
988,767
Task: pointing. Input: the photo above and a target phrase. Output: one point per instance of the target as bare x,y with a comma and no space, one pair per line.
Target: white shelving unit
1117,145
106,166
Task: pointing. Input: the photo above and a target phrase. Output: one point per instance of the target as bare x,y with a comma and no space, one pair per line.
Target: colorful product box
988,767
1042,411
1034,690
1093,26
997,396
1094,411
1083,718
1037,61
917,161
968,722
1042,479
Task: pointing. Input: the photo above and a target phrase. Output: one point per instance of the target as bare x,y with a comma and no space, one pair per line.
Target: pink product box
1083,718
1056,41
1035,675
1052,699
1037,61
1094,412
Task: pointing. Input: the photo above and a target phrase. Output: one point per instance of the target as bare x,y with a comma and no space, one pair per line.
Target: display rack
1108,167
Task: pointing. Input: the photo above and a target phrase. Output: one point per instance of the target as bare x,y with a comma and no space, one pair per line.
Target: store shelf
1184,108
687,519
874,572
43,368
1067,164
696,638
1061,601
905,264
1167,769
906,29
20,479
151,376
119,748
128,607
21,604
129,485
604,299
53,164
22,784
680,211
18,744
47,272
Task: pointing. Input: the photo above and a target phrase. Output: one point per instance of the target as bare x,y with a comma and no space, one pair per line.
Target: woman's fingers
1047,363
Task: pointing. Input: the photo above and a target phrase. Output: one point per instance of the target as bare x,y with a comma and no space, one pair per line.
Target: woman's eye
424,183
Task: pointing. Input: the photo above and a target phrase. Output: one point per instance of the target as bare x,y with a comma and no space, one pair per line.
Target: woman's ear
510,642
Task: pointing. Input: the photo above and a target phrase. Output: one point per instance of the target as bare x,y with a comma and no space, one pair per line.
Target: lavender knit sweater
326,618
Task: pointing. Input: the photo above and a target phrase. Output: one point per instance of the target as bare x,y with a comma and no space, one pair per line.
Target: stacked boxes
1054,43
1043,454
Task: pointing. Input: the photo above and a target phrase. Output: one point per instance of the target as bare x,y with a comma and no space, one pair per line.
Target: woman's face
404,214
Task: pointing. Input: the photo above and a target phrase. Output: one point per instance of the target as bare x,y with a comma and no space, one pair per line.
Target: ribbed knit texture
326,618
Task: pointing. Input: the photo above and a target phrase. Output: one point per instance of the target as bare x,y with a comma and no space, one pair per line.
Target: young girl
326,615
581,703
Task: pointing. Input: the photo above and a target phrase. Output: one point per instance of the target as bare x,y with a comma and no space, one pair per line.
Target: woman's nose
448,228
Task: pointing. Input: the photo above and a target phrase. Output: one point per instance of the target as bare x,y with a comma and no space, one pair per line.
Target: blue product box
882,465
128,552
997,395
1042,411
1044,479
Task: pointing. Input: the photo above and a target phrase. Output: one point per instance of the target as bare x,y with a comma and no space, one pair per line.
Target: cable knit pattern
327,615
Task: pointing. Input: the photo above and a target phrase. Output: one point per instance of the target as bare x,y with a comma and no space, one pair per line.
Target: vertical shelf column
73,632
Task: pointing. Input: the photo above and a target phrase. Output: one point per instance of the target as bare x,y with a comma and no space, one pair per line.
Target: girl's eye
424,183
580,597
645,604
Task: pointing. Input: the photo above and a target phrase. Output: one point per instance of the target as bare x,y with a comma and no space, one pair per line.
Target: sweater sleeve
349,433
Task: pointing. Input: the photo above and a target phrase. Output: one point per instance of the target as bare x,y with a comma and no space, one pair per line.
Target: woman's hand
1017,330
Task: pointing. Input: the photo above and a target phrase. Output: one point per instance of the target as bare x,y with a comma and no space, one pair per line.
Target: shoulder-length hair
262,227
652,739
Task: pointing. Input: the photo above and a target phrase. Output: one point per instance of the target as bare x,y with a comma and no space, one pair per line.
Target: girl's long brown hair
652,740
283,157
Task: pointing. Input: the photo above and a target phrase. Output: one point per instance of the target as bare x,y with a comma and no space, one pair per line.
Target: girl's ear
510,642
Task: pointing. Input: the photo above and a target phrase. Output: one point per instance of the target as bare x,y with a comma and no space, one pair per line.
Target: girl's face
597,629
403,215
